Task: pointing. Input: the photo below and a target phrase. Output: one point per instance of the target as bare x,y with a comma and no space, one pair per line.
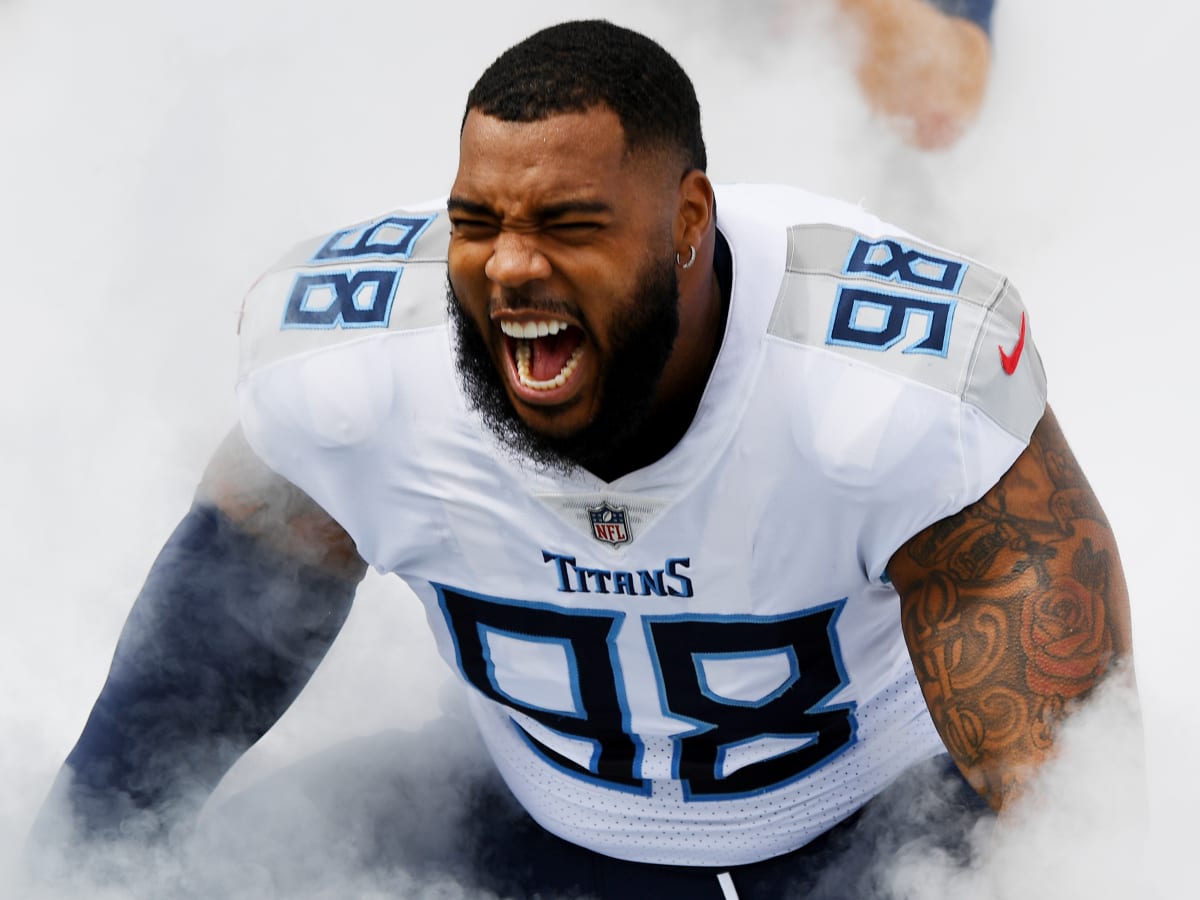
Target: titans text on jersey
665,581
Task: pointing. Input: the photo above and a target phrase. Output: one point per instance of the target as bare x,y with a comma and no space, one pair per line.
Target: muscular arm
239,608
1014,609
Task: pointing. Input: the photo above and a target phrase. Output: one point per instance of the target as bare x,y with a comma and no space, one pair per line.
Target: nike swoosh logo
1008,361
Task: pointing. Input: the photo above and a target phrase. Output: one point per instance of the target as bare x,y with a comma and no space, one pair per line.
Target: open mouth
544,352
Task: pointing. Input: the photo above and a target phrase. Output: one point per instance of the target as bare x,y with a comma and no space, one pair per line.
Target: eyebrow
458,204
544,213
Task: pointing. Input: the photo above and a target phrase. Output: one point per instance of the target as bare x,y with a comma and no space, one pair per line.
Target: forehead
569,156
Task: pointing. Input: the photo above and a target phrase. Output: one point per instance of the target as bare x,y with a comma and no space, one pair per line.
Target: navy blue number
796,715
599,716
895,311
877,320
893,261
361,299
392,236
355,298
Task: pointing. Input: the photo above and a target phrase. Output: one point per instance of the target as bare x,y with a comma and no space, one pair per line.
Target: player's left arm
1014,610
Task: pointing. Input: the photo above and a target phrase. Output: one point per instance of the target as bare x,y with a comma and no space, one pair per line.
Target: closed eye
573,230
472,229
471,220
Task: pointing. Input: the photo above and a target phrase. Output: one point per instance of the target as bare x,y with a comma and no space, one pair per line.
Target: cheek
609,302
603,297
470,288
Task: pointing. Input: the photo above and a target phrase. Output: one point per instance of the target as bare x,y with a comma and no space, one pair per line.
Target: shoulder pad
385,274
917,311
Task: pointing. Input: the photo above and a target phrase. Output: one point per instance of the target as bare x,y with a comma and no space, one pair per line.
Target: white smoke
155,157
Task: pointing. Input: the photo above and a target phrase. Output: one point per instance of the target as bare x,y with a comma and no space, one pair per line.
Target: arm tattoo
1012,609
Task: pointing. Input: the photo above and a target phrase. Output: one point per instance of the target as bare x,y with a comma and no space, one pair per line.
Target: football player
732,506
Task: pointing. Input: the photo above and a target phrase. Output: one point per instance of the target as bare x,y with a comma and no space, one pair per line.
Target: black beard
643,338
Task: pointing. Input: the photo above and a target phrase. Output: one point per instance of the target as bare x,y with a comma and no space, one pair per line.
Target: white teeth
529,330
524,332
523,354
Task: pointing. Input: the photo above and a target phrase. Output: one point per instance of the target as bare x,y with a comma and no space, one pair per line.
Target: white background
156,156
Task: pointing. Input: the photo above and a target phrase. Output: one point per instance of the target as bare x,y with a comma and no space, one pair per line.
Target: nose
516,260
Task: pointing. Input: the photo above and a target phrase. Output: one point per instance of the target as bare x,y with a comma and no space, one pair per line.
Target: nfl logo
609,524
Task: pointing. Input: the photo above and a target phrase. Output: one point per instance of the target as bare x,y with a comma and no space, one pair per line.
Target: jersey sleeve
385,274
318,337
930,384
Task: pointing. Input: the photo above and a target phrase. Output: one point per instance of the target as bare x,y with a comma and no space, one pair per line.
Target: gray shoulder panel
385,274
897,304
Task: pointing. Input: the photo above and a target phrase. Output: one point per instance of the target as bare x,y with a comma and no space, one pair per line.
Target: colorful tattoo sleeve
1013,610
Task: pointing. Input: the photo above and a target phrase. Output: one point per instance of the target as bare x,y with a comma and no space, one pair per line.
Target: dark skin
558,215
1014,609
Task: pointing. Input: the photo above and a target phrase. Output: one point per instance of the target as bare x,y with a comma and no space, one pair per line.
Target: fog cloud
157,157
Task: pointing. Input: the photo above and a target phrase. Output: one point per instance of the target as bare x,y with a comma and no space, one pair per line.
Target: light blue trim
577,712
699,659
617,619
821,706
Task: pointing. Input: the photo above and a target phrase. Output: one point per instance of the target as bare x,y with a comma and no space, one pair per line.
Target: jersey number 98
737,746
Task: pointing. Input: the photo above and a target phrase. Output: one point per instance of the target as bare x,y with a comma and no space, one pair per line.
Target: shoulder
870,295
385,274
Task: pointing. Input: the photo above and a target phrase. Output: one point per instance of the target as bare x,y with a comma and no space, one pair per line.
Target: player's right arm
240,606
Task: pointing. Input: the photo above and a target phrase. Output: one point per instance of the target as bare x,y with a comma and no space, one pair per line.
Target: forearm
1014,611
221,639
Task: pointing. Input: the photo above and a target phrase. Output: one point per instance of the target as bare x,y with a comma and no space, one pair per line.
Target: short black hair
577,66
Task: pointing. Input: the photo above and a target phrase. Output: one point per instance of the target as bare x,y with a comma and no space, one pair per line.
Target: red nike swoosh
1008,361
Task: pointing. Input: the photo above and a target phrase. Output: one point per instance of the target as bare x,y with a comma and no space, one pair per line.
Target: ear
696,213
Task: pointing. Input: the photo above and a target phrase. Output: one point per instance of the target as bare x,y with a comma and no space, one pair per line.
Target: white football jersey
700,663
